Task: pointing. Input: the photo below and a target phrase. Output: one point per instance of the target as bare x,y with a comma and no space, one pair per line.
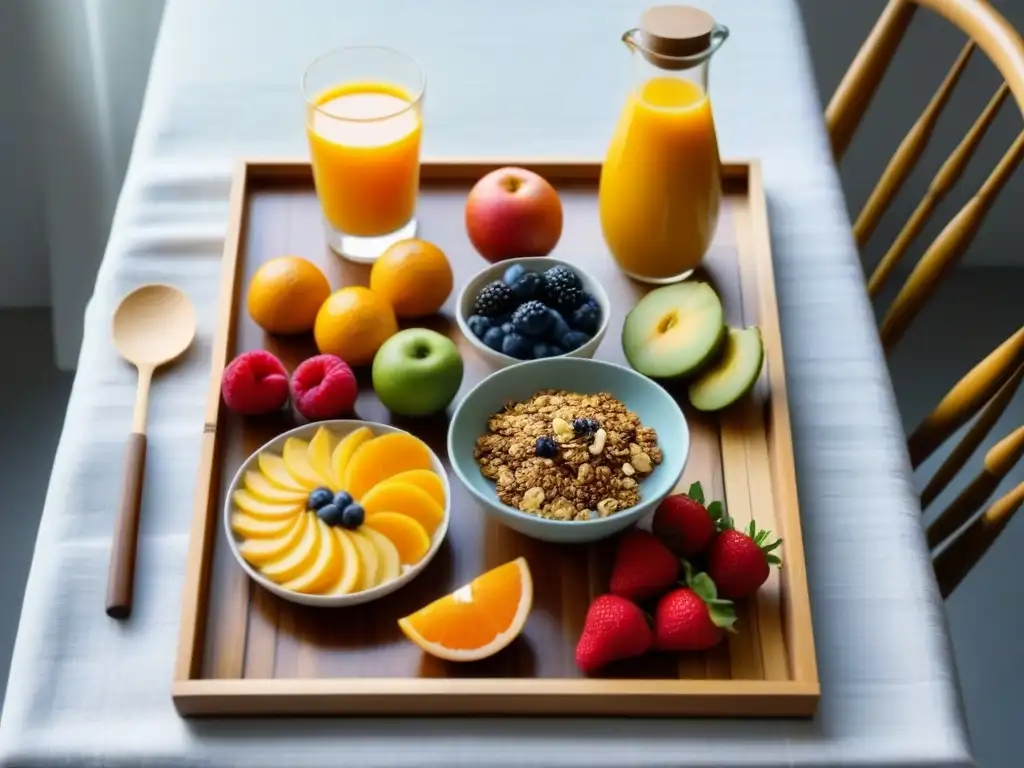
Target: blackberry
585,427
546,447
562,289
531,319
493,299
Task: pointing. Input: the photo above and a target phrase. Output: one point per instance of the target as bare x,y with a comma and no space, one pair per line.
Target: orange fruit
286,293
353,323
477,620
382,457
414,276
396,496
409,537
424,479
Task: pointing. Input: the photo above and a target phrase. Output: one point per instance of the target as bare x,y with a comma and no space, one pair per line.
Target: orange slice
381,458
300,557
369,559
257,552
425,479
395,496
389,564
259,486
249,527
477,620
320,449
344,450
351,575
409,537
325,569
257,507
276,471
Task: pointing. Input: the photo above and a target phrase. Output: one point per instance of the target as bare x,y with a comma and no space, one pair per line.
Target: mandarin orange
414,276
285,295
353,323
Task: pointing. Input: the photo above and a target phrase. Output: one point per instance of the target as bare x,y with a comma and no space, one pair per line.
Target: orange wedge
409,537
424,479
382,457
477,620
413,501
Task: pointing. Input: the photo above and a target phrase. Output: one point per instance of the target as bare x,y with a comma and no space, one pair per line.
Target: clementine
414,276
285,294
353,323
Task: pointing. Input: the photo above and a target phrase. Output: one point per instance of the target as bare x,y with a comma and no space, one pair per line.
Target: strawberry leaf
722,614
752,530
704,587
774,560
696,493
716,510
774,545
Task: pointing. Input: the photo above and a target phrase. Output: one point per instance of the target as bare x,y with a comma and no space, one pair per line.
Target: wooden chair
991,384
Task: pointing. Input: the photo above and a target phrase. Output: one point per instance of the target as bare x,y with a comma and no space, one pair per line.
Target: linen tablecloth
532,78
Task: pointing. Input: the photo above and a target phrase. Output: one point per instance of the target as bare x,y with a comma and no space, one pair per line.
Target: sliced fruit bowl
337,513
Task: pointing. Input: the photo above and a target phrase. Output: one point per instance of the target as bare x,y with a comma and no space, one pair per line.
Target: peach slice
320,449
276,471
325,570
249,527
258,552
395,496
408,536
344,450
426,479
257,507
258,485
298,559
351,574
369,558
381,458
390,567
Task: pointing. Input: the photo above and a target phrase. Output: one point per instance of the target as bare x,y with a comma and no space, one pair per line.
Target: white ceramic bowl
531,264
339,427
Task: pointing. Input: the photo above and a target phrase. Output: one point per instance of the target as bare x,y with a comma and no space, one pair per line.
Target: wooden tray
243,651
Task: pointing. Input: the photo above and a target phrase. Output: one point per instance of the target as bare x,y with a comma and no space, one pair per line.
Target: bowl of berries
533,308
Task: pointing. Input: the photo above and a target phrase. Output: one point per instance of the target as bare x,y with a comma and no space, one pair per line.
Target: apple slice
325,570
258,552
320,449
370,559
259,486
390,567
733,374
673,331
351,566
296,560
276,471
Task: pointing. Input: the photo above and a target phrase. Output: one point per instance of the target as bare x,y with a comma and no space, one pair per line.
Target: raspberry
255,382
324,387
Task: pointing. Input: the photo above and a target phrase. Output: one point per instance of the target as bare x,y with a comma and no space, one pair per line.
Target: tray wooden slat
243,651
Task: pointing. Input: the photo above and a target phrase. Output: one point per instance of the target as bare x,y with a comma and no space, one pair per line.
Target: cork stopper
675,31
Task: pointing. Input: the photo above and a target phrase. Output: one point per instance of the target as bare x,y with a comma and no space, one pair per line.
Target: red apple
513,212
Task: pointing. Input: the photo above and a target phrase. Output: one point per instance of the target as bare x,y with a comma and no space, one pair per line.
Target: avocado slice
733,374
674,330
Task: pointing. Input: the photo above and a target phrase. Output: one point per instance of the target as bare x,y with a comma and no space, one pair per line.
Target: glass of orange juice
364,123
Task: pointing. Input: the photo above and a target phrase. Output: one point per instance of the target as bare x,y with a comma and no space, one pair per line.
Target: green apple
417,372
733,374
674,331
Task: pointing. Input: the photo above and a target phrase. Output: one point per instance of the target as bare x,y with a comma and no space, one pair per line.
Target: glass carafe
661,179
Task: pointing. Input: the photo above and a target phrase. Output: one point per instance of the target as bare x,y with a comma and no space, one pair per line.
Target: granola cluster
593,453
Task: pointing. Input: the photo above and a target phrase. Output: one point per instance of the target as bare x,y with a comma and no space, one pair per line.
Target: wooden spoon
152,326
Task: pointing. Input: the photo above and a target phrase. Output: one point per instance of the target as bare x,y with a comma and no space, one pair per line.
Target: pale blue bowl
644,397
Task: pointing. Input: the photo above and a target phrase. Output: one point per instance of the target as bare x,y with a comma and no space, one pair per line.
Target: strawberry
739,562
614,629
692,618
644,567
685,524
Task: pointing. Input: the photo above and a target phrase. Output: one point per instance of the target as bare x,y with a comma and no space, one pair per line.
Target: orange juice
660,183
364,139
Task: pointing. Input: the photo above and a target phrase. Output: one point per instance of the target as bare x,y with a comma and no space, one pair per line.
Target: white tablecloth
535,77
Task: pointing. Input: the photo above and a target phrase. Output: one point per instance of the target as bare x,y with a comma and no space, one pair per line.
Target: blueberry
507,328
526,287
558,327
546,448
493,338
342,499
574,340
330,514
352,516
512,274
546,350
586,319
318,497
586,427
588,298
478,324
531,319
517,346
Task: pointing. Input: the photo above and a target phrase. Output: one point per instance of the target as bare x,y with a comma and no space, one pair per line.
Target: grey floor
977,310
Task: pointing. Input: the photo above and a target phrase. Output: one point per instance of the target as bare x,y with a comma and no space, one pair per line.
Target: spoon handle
121,577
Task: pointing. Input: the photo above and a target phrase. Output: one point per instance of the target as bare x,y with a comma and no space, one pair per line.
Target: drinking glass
364,124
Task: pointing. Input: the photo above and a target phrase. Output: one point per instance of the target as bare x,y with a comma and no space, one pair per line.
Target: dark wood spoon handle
121,577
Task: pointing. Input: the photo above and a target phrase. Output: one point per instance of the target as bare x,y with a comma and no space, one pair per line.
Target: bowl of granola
568,449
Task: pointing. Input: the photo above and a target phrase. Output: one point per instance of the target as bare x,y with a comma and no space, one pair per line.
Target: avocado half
673,331
731,376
